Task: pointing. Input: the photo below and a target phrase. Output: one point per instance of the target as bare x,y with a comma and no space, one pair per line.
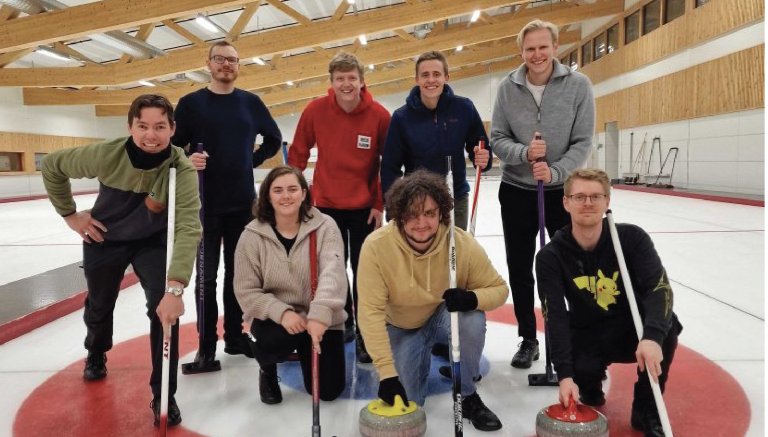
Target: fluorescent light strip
206,23
475,16
259,61
363,39
51,53
146,83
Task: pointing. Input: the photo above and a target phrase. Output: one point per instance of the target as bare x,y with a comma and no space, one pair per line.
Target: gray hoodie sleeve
582,131
505,145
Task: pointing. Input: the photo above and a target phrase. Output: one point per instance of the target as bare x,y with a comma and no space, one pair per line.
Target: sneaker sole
523,365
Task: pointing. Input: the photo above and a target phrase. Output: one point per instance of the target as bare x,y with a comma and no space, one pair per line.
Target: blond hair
344,62
588,174
536,25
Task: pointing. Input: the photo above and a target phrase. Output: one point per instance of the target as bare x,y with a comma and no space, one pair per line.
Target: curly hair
406,197
265,212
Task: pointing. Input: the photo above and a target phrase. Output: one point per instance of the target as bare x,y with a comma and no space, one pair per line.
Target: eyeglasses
232,60
581,198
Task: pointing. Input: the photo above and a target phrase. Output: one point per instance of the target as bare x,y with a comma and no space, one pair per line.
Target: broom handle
315,356
458,419
660,406
201,256
475,195
548,371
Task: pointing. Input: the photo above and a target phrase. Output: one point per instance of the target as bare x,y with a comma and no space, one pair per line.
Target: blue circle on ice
362,381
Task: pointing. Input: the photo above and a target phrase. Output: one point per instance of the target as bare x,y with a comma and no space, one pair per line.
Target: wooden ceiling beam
289,11
10,57
184,33
276,96
242,20
341,10
97,17
262,43
9,13
142,35
59,46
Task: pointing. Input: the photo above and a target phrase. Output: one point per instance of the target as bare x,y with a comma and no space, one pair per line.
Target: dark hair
432,56
150,101
219,44
265,212
406,197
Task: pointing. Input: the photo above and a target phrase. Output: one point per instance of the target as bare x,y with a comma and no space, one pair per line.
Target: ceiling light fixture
259,61
289,83
51,53
146,83
363,39
371,67
459,48
351,2
205,22
475,16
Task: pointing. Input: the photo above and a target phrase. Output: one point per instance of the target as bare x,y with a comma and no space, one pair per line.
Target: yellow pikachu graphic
602,288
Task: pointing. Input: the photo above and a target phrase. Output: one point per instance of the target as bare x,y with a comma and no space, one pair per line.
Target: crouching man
579,266
405,298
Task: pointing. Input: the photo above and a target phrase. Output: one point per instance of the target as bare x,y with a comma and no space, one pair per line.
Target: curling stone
380,419
576,420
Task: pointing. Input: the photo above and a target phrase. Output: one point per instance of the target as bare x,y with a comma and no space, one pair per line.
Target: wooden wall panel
29,144
728,84
702,24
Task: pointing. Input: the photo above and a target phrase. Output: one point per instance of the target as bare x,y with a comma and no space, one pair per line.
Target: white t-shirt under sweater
536,90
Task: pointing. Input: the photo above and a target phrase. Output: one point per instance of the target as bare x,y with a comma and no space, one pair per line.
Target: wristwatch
175,290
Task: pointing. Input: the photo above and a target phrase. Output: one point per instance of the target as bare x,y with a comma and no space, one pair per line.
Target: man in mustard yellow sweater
405,297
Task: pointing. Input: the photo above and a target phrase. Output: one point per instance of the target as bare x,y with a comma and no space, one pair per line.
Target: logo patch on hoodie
363,142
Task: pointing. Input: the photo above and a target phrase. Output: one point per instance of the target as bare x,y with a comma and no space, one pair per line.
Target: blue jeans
411,350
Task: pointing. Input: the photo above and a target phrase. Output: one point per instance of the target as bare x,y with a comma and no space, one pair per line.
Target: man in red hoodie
349,130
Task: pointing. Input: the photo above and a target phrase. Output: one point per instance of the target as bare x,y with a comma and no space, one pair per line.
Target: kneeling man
405,297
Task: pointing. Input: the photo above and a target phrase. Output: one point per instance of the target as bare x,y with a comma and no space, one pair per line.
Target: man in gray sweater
541,130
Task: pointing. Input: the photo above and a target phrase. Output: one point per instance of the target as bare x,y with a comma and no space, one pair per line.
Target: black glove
459,299
389,388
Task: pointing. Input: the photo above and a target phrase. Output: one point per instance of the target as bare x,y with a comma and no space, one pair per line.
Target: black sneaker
269,387
527,353
362,354
95,366
446,372
592,398
646,419
240,345
174,414
483,419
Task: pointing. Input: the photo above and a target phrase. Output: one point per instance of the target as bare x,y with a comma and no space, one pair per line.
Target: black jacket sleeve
649,282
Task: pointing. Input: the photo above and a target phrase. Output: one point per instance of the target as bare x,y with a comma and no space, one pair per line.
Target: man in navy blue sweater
435,123
226,120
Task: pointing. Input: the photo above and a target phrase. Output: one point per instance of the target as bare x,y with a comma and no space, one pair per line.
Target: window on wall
651,16
573,62
10,161
586,53
612,36
673,9
38,160
632,27
600,46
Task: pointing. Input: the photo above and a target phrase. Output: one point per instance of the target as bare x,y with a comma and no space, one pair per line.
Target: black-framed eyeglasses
232,60
581,198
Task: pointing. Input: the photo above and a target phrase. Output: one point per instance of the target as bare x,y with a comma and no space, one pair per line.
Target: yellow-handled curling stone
379,419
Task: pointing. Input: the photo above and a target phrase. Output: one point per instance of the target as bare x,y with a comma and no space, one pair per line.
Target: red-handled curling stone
576,420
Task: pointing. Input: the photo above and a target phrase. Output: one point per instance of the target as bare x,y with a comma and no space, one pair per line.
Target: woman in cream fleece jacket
272,285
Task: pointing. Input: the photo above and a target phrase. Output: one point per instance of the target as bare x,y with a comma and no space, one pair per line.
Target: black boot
362,353
95,366
240,345
483,419
174,414
269,388
527,353
204,362
592,397
646,419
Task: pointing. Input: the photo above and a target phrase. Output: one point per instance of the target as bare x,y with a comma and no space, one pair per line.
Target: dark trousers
594,350
520,221
104,265
354,229
218,229
274,343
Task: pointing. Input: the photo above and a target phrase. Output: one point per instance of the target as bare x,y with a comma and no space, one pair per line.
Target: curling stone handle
572,409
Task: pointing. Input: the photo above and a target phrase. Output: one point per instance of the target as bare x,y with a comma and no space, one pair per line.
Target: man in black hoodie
596,328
